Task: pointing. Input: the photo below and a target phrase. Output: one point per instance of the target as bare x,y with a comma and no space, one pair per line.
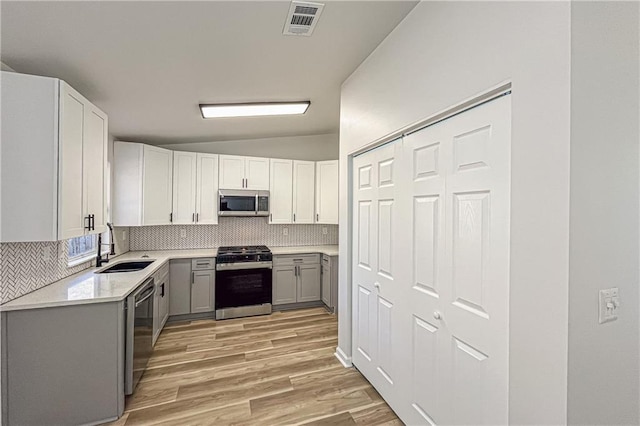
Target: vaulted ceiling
149,64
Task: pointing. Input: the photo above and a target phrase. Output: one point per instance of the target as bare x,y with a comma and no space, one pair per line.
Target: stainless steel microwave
243,203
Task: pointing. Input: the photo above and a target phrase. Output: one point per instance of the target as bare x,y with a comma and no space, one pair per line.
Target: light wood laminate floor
278,369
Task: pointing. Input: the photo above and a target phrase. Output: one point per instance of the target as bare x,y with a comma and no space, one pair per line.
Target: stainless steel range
243,281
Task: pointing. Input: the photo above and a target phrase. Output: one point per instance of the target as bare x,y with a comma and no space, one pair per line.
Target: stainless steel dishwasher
139,343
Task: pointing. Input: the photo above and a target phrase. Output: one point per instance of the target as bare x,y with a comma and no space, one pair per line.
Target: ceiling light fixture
253,109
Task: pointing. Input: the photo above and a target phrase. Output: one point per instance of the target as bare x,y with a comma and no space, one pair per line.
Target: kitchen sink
133,266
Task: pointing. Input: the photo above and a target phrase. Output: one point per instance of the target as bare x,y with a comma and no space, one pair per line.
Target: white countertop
88,287
328,250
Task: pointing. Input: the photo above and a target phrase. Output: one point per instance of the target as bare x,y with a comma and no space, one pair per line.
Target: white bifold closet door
438,329
377,269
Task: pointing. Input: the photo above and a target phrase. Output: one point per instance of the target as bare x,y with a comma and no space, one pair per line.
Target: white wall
314,147
440,55
603,358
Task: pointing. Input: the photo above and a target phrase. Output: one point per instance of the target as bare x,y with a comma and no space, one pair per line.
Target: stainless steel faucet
99,260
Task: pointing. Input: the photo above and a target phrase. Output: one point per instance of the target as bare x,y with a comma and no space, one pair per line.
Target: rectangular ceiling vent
302,18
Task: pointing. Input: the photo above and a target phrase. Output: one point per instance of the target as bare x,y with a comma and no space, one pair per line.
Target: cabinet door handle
197,217
317,217
270,217
294,217
193,217
87,225
246,183
170,217
92,222
193,278
162,290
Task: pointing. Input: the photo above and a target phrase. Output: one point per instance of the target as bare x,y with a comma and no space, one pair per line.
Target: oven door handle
243,266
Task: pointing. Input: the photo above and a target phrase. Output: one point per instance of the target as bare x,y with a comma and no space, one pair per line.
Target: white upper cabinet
94,161
157,186
71,219
281,191
82,162
207,189
142,184
303,191
53,153
231,172
184,187
238,172
327,192
256,173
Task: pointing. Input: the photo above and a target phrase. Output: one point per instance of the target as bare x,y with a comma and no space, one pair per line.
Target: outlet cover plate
608,305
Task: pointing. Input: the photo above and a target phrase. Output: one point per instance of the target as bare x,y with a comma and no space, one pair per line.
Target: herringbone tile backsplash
24,269
230,231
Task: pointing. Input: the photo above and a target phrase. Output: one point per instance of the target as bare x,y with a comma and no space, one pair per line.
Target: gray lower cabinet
165,291
296,279
192,286
308,283
203,291
161,300
285,285
180,294
330,282
63,365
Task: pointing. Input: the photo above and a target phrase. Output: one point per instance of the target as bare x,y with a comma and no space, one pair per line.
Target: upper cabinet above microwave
54,161
195,188
238,172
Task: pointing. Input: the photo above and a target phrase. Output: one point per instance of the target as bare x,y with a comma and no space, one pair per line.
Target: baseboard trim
343,358
301,305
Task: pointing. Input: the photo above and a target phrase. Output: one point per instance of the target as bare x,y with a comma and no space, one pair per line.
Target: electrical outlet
183,233
285,231
608,305
325,231
46,253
